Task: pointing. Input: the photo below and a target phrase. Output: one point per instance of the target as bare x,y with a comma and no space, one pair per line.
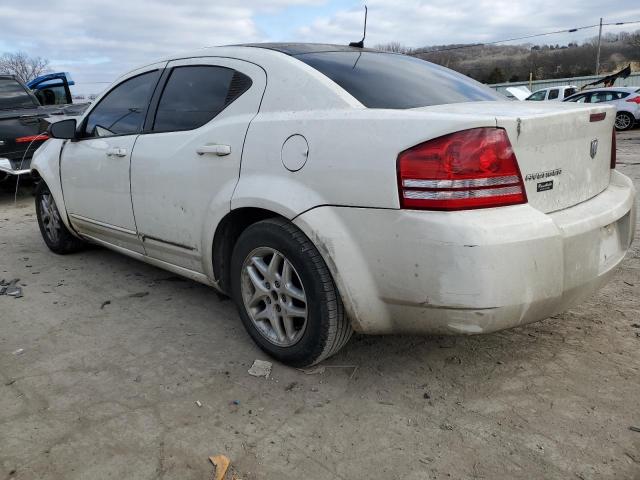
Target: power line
568,30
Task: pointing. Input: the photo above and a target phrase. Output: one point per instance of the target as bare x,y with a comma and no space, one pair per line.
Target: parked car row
625,99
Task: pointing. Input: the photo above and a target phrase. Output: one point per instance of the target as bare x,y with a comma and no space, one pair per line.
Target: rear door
95,170
186,165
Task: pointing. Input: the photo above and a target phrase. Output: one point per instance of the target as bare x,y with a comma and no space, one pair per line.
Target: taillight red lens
473,168
614,153
635,100
42,137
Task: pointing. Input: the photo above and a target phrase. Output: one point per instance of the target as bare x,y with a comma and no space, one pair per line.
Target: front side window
386,80
196,94
553,93
122,110
13,95
537,96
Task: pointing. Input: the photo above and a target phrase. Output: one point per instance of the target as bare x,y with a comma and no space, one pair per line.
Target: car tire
54,232
285,294
624,121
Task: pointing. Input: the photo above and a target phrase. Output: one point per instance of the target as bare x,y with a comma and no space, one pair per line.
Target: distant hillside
512,63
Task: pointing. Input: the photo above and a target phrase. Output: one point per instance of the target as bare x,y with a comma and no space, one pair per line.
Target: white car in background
329,189
555,94
625,99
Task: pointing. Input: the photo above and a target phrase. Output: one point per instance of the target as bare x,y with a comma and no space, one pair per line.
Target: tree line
514,63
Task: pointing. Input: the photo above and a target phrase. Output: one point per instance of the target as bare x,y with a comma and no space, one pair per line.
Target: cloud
418,23
97,40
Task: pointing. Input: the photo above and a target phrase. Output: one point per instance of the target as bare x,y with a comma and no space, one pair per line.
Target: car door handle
215,149
116,152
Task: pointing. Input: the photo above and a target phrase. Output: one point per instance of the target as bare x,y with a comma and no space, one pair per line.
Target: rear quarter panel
351,160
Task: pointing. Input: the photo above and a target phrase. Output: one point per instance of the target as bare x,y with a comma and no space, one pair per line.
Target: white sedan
332,189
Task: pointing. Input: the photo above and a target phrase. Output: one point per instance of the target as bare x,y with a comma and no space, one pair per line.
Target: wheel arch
226,235
46,167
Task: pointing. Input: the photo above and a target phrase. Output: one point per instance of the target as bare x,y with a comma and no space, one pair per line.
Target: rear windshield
13,95
386,80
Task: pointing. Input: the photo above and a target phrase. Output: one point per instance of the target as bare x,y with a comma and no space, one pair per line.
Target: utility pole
598,54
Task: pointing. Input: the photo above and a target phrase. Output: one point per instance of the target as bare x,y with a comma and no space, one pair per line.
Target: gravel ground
103,359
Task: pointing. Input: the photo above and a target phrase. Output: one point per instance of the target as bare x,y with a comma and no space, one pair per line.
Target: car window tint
619,95
553,93
537,96
194,95
122,110
569,91
385,80
13,95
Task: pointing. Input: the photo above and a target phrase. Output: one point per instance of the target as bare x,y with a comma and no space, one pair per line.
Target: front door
184,170
96,168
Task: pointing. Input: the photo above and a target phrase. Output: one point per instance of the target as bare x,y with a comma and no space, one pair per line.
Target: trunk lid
563,154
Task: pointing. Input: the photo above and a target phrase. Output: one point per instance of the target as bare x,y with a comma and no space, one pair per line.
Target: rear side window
598,97
194,95
13,95
553,94
122,110
569,91
385,80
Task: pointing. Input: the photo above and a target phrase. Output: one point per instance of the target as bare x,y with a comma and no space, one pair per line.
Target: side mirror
65,129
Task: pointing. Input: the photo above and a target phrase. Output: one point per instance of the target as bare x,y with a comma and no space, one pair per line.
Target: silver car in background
626,100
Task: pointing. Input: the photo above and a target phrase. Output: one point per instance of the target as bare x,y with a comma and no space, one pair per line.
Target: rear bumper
473,271
15,167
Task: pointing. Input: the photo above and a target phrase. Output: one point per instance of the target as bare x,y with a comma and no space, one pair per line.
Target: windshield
386,80
13,95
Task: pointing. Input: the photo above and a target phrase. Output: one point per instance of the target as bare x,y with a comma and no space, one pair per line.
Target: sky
98,40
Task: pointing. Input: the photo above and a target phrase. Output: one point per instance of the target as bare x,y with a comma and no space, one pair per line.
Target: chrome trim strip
460,194
166,242
469,183
102,224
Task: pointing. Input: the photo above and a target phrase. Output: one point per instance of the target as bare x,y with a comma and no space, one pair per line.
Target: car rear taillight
635,100
614,153
473,168
41,137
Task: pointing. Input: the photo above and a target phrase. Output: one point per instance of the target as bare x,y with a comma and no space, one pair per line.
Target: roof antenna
360,44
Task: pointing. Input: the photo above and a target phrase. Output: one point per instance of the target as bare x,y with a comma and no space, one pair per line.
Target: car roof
302,48
557,86
611,89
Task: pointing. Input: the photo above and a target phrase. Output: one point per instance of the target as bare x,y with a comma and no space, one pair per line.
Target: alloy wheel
623,122
50,217
274,296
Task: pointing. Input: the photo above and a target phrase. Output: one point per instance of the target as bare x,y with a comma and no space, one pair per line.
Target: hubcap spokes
622,121
50,217
274,296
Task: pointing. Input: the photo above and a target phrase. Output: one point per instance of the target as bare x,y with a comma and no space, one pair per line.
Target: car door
95,169
187,162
